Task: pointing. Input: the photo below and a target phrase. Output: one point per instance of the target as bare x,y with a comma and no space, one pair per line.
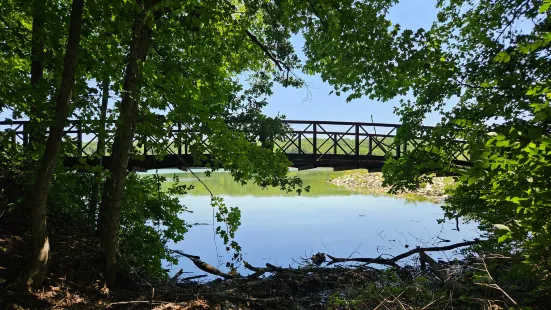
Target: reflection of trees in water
222,183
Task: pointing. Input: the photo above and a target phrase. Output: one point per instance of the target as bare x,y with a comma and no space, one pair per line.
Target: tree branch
264,48
207,267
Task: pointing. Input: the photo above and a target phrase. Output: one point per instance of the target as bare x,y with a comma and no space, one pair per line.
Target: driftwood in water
258,271
207,267
392,261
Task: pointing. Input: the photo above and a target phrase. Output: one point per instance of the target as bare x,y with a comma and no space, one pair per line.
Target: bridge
309,144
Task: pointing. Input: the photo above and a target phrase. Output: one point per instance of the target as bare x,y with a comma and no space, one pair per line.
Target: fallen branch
240,298
368,260
176,276
207,267
194,277
258,271
436,268
437,248
395,259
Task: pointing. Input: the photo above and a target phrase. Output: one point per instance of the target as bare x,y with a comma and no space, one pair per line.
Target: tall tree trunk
100,148
110,206
37,71
40,247
37,49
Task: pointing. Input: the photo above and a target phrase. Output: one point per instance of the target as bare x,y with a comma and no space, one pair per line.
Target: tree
105,75
40,247
100,149
37,70
124,135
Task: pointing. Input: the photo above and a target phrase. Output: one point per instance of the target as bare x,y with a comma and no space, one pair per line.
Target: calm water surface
281,228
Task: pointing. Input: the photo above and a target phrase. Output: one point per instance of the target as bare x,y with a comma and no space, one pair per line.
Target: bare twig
136,302
194,277
494,285
242,299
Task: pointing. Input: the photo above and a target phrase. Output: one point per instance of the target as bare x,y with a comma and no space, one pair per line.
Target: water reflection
222,183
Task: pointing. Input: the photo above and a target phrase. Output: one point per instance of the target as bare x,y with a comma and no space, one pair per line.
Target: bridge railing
320,139
324,139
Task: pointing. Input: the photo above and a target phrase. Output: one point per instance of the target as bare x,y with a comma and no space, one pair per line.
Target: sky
315,103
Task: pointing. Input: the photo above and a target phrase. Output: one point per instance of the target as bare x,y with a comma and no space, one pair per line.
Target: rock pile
373,183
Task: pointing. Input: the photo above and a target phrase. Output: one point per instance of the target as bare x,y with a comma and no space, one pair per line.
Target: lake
282,228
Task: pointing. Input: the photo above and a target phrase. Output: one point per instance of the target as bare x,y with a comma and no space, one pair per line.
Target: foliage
70,194
150,218
507,189
197,54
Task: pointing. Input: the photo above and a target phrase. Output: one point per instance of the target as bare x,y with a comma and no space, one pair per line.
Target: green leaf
502,57
502,143
545,7
503,238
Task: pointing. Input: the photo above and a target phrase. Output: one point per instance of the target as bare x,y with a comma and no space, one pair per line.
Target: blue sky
317,104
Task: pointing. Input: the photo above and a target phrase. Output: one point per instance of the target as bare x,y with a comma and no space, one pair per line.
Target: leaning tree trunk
40,247
100,149
110,207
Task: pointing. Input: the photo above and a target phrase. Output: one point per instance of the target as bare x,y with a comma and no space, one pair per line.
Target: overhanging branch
267,51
